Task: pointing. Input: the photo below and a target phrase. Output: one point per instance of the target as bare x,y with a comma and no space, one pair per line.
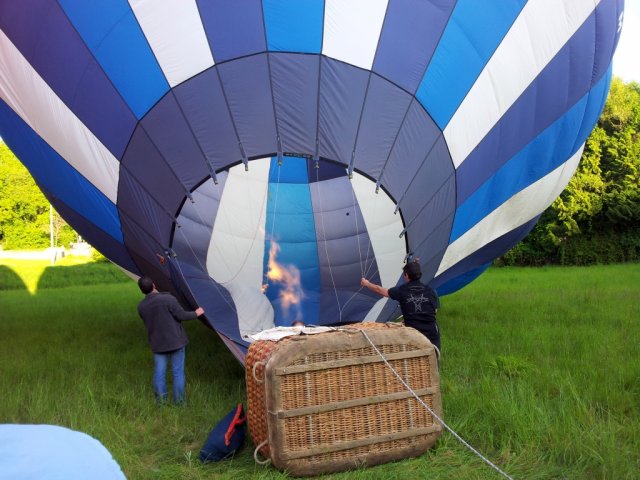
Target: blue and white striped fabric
259,157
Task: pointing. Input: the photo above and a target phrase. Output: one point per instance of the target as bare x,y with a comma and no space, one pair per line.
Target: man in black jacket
418,302
163,316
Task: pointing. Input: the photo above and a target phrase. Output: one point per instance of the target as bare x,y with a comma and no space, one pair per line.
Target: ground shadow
10,280
98,273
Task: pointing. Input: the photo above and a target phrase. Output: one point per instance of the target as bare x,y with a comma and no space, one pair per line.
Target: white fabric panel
372,315
516,211
175,33
33,100
384,229
352,30
236,250
540,31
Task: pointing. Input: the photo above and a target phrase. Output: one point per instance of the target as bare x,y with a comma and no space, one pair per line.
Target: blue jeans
160,375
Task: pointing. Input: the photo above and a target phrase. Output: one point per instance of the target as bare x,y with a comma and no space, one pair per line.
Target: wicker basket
327,402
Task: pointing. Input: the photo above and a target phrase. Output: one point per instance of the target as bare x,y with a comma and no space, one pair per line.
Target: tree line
596,219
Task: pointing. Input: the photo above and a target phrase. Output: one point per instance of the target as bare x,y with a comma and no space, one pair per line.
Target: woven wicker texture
333,404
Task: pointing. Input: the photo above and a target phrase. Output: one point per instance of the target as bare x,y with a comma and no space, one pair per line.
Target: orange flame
286,276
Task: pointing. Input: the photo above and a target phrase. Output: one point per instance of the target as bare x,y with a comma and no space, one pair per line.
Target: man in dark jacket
418,302
163,316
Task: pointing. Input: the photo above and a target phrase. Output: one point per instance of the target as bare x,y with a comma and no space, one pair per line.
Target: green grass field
540,372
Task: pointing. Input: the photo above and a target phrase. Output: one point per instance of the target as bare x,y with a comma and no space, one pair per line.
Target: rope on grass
434,414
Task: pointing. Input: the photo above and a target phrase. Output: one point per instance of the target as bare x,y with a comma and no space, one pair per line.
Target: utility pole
53,250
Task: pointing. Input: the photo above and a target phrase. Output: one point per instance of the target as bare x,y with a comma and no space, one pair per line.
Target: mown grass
540,372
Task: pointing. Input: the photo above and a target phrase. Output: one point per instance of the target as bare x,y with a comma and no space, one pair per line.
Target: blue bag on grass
226,438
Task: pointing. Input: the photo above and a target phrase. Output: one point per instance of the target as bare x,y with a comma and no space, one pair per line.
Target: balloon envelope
259,157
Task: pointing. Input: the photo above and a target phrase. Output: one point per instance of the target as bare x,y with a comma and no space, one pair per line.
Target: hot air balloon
259,157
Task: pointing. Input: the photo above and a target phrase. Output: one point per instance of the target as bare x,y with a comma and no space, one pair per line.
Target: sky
626,60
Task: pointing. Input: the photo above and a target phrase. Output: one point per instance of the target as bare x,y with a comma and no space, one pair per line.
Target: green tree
24,210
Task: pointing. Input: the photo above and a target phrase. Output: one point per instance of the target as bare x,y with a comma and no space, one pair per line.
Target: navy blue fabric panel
143,254
384,111
202,100
414,151
429,226
344,251
342,91
295,91
219,308
325,171
480,258
411,31
115,251
145,164
432,177
234,29
168,130
457,283
61,58
607,15
139,208
563,82
248,91
55,175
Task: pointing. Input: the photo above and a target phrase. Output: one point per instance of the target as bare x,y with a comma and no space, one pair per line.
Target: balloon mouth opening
286,237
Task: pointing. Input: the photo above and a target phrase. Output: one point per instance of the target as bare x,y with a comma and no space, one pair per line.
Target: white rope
434,414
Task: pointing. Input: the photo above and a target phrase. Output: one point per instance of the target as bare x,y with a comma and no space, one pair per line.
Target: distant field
540,372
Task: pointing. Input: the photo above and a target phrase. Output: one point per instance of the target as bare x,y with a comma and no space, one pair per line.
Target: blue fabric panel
411,153
462,272
62,454
473,33
294,26
411,31
149,170
562,83
290,222
342,90
344,251
92,233
247,86
292,170
62,59
56,176
544,154
593,108
111,31
234,29
326,170
295,92
382,117
168,130
201,99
